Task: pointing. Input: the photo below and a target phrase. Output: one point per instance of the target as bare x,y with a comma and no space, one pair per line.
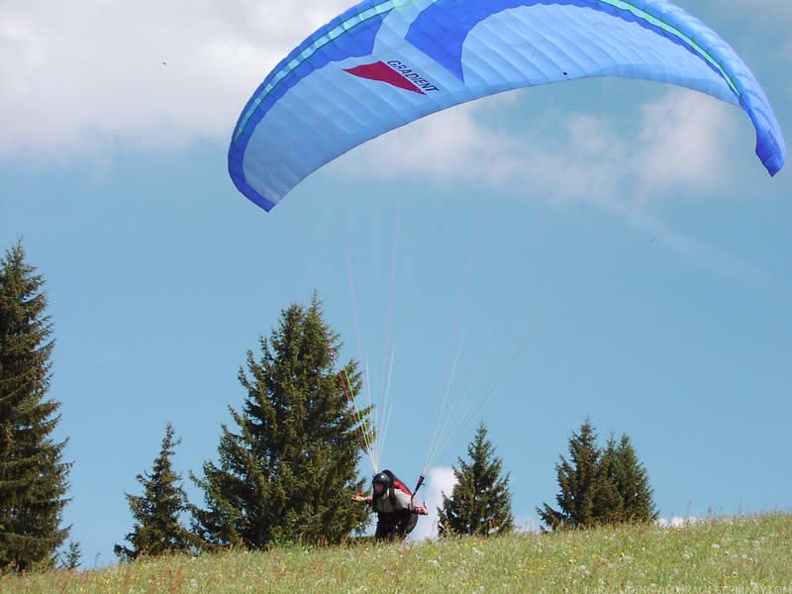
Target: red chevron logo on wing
383,72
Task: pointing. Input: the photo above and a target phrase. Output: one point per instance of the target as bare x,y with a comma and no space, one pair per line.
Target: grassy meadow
744,554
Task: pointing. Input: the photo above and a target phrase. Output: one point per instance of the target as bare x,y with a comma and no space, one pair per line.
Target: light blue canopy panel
385,63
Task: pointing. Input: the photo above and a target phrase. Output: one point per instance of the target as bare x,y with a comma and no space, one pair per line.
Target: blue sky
606,248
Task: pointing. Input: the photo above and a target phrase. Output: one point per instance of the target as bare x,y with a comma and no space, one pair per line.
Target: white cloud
677,521
527,524
684,144
78,76
682,141
439,480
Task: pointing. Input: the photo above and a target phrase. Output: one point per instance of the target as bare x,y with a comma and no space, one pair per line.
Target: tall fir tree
630,479
286,474
584,490
480,503
33,475
158,529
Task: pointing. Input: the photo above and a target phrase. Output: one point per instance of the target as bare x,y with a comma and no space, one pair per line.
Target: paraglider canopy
385,63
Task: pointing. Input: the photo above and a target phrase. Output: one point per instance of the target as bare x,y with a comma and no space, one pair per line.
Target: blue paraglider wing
385,63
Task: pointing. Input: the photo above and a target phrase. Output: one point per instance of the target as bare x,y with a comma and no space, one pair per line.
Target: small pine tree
72,556
631,482
158,530
582,484
287,474
480,503
33,476
609,512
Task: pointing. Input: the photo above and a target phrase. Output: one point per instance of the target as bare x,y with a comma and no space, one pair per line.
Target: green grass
746,554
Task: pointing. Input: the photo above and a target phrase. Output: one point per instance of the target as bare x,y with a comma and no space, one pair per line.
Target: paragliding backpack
396,483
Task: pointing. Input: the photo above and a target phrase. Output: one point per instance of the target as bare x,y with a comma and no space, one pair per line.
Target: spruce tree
610,511
33,476
71,558
158,529
631,482
581,482
599,486
286,473
480,503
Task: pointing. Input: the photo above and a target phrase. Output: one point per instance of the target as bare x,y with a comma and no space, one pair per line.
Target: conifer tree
599,486
158,529
33,476
287,472
631,482
71,558
582,484
480,503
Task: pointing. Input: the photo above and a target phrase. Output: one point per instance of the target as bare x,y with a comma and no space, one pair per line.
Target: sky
604,249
